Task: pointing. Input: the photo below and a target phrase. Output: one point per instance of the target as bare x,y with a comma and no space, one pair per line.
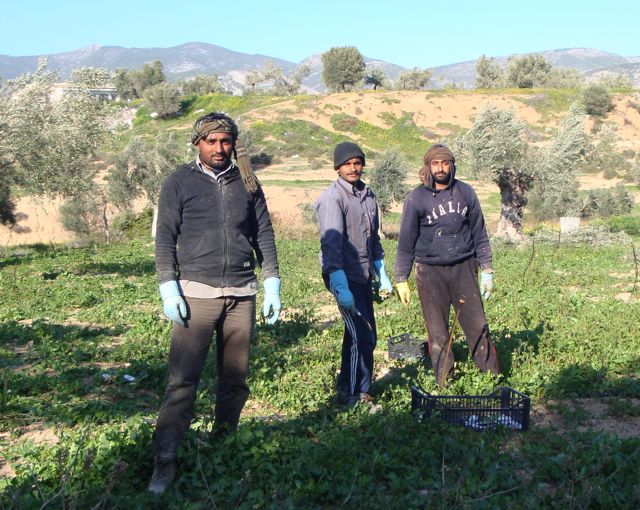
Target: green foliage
550,101
597,100
555,191
162,99
70,129
80,214
620,82
489,74
495,149
201,85
131,83
564,78
7,206
608,202
270,79
413,79
376,78
527,71
342,68
628,224
64,375
388,177
344,122
603,154
140,168
291,137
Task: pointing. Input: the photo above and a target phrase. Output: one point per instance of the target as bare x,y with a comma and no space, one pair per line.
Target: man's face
351,170
441,170
216,149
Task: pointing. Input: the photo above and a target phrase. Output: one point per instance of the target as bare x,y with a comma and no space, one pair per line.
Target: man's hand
385,283
272,305
486,283
340,288
173,304
403,293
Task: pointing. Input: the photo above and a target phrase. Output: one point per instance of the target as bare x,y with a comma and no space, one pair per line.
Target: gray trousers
232,320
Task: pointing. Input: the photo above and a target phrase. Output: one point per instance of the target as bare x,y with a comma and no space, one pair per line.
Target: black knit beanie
344,152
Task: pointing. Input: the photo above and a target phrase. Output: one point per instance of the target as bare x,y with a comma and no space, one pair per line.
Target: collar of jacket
349,188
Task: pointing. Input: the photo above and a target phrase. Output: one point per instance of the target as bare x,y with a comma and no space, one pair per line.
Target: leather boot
164,473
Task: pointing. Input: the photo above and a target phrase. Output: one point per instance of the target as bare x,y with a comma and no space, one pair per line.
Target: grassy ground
77,434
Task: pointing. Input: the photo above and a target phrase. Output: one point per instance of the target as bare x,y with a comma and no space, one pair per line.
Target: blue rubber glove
174,305
272,305
486,283
381,272
340,287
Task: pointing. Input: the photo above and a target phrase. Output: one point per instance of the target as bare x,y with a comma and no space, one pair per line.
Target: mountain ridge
193,58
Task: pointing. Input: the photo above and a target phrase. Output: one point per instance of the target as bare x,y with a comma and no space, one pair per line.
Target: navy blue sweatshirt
441,228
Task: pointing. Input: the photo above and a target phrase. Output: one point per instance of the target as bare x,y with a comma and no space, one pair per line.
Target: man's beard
220,165
442,178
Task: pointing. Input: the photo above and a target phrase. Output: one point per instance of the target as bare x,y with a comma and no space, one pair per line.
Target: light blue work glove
486,283
174,305
272,305
381,272
340,287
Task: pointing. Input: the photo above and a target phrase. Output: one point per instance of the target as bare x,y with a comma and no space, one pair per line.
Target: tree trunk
513,188
105,224
154,222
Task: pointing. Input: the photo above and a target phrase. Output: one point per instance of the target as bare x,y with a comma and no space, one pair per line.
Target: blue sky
420,33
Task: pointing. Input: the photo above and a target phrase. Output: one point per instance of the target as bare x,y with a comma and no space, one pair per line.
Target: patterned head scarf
215,122
218,122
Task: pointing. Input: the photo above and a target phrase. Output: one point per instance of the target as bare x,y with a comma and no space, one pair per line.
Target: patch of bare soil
588,414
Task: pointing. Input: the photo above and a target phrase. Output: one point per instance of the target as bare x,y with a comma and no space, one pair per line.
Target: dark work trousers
232,320
440,287
358,342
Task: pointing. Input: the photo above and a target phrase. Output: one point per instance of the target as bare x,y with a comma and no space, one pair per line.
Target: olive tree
342,68
413,79
46,143
489,74
375,77
388,178
141,167
163,99
555,189
49,134
527,71
496,150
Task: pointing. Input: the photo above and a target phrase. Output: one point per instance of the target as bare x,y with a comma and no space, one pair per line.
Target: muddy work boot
164,473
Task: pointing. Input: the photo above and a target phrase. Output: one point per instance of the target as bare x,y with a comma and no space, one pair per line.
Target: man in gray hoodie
443,231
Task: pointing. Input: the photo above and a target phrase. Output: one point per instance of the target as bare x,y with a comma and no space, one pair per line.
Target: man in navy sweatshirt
443,231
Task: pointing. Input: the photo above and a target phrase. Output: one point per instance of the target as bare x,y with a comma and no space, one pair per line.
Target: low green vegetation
77,433
402,133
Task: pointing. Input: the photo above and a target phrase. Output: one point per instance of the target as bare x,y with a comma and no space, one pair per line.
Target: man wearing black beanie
352,260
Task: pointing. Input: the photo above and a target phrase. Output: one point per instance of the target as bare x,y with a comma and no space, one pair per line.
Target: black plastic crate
505,407
406,346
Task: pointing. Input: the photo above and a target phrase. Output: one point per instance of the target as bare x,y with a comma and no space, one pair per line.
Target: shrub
597,100
344,122
608,202
80,215
163,99
628,224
